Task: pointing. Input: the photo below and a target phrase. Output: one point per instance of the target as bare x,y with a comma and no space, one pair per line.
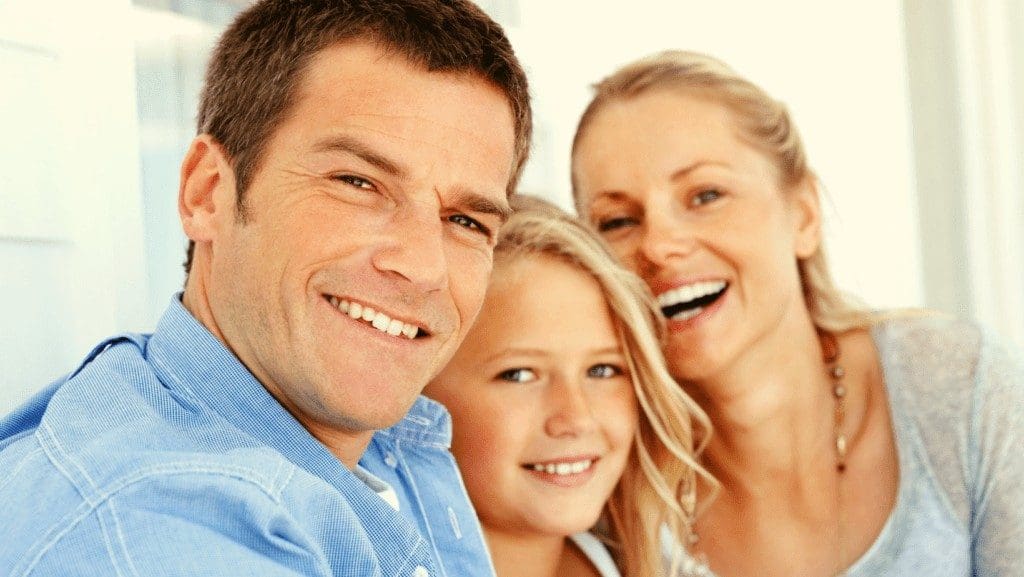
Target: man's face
367,240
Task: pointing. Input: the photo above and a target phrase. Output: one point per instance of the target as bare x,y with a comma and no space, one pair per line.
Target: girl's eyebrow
520,351
609,350
538,353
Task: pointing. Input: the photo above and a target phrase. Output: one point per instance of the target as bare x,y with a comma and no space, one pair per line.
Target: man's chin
377,412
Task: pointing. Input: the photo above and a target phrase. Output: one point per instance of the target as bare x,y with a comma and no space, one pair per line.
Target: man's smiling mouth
377,320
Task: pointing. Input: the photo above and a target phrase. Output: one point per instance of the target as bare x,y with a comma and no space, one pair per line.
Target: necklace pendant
840,452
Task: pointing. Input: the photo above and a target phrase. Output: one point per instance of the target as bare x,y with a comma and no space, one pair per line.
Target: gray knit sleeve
996,470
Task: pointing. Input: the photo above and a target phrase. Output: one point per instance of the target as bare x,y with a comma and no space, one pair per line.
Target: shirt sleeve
188,524
997,519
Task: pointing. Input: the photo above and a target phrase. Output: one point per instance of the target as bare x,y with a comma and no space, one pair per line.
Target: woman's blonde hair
765,123
658,486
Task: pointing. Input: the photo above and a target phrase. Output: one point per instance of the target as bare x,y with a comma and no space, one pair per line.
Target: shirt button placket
420,571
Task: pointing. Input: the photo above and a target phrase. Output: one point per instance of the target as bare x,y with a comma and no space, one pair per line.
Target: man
342,198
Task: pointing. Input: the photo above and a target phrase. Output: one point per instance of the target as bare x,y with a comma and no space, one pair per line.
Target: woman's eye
615,223
470,223
604,371
355,181
517,375
706,196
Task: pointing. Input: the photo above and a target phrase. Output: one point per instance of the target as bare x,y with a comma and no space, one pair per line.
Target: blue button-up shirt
162,455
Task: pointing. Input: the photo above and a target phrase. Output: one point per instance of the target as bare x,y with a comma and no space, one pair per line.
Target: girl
564,415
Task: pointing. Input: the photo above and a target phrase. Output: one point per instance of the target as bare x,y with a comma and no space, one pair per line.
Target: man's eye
517,375
355,181
706,196
470,223
604,371
615,223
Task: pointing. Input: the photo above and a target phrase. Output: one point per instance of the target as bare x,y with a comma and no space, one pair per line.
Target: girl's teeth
395,327
379,321
563,468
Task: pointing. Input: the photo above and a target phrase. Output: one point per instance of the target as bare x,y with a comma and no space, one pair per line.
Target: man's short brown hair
253,77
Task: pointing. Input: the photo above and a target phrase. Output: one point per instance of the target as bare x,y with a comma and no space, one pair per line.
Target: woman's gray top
957,401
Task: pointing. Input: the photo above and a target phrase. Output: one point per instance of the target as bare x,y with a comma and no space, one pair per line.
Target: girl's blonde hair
764,123
658,486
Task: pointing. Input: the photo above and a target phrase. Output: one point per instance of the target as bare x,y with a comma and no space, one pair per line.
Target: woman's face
543,411
699,213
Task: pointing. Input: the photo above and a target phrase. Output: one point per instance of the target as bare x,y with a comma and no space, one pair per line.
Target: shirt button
421,571
392,462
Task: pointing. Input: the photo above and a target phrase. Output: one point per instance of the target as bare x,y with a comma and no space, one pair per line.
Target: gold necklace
831,352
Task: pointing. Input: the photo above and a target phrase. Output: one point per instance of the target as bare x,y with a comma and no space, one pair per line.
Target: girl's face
699,213
543,411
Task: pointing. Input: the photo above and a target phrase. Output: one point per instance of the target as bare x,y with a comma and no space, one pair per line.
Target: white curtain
966,65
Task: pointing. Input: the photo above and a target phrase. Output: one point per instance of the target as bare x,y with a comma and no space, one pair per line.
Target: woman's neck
523,555
772,411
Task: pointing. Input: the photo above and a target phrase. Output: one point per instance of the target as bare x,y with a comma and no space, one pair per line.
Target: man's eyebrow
479,203
359,149
465,198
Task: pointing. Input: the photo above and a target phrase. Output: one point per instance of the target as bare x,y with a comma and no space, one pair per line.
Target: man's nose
414,249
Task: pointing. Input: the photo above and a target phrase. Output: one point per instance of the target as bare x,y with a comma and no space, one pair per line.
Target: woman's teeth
379,321
686,302
687,314
562,468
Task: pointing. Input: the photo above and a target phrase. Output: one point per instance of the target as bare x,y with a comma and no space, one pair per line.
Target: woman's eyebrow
686,170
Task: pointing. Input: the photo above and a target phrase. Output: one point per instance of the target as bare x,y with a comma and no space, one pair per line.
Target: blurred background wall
912,113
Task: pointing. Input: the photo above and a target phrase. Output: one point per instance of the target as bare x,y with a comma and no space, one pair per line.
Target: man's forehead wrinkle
426,116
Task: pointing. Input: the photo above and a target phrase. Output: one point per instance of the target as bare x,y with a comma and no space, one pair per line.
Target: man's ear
805,205
206,196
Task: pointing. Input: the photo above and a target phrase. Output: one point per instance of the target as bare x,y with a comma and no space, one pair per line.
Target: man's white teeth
563,468
687,293
379,321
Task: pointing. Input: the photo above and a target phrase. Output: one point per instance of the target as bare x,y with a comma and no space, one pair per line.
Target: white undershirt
596,553
378,486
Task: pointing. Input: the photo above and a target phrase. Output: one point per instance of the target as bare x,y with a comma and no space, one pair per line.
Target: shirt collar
201,366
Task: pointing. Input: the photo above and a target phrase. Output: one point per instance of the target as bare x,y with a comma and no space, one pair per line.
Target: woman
845,442
564,414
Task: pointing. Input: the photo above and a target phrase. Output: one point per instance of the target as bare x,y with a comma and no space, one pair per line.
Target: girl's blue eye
603,371
517,375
